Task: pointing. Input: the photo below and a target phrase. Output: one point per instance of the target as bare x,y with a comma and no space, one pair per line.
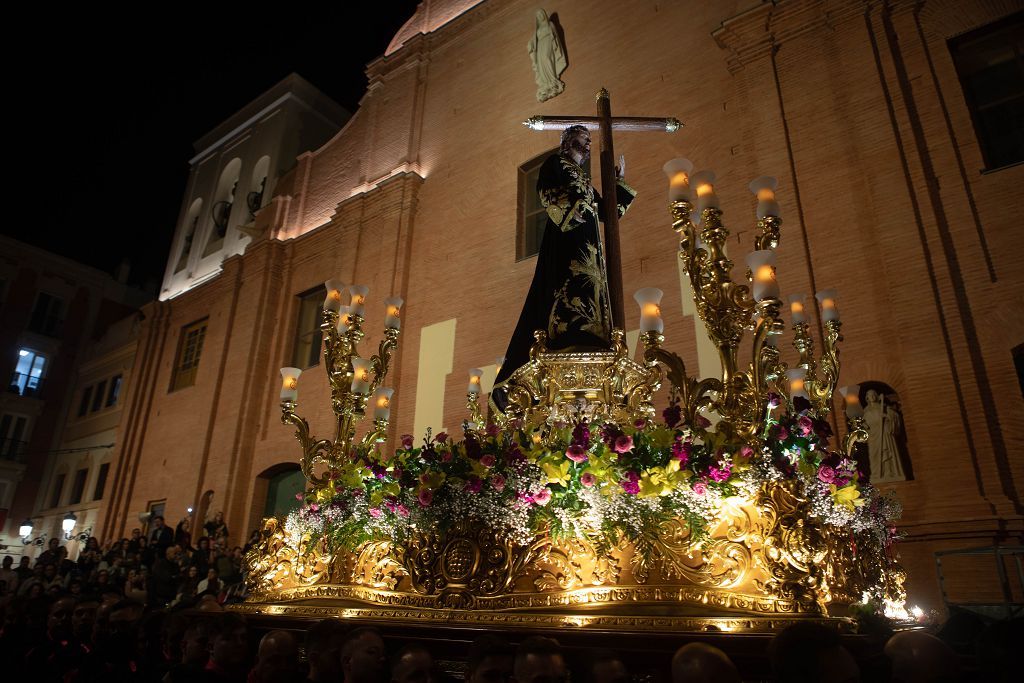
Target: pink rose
406,441
487,460
588,479
577,453
700,488
806,425
446,456
542,497
498,482
314,507
747,452
425,497
827,474
299,496
474,485
623,444
402,510
375,513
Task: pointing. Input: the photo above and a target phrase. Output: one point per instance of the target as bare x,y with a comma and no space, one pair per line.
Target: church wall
859,116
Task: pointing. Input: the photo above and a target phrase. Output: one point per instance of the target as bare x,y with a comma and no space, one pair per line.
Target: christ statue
569,298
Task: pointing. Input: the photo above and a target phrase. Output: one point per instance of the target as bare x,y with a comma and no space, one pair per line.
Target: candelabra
353,380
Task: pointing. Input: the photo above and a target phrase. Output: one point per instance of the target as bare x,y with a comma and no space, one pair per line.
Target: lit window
990,63
308,337
190,348
28,373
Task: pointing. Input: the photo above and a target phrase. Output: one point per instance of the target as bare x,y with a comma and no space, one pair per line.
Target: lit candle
764,189
360,376
678,172
649,299
796,308
795,377
356,305
474,381
827,300
762,265
851,394
704,182
334,289
392,310
499,361
344,320
290,384
382,404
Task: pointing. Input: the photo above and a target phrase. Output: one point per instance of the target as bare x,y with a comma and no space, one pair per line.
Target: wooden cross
605,123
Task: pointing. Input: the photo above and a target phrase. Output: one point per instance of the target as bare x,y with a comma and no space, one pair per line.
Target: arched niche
223,205
885,457
257,187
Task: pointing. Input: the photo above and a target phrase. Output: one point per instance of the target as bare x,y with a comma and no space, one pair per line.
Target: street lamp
68,525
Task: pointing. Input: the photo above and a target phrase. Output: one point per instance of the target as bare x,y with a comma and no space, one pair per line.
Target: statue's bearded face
579,147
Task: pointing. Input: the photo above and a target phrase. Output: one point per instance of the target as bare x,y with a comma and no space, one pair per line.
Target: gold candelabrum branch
819,388
342,332
856,432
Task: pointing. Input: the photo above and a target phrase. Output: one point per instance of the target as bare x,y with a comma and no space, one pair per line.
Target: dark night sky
110,112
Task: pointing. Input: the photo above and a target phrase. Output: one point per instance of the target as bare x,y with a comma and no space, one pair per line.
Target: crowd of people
151,608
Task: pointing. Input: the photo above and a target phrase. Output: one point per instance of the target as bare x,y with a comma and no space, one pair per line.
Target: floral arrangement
598,479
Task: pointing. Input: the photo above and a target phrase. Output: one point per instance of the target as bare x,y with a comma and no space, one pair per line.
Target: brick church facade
890,192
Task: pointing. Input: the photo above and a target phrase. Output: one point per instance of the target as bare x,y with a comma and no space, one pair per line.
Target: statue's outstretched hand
620,170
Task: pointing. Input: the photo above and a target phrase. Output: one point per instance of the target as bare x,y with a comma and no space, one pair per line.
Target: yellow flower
848,496
557,472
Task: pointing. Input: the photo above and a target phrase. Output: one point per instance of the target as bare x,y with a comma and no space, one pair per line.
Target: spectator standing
217,530
161,537
183,534
9,575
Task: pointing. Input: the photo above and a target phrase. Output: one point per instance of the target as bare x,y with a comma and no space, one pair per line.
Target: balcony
25,385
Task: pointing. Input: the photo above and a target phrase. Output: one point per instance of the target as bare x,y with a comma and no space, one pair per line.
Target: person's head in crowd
228,643
540,660
193,572
277,658
195,644
23,562
701,663
83,620
158,523
204,543
92,545
49,572
58,621
219,517
142,543
75,587
136,534
490,660
53,544
36,590
413,664
605,666
919,657
813,653
363,657
8,561
323,650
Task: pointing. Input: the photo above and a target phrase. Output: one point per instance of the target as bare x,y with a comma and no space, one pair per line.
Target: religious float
604,492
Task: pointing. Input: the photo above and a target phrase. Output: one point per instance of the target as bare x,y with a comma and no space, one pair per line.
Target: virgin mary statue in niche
569,295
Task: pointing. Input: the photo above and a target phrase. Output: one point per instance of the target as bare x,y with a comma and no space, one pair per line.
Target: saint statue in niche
568,298
548,55
884,424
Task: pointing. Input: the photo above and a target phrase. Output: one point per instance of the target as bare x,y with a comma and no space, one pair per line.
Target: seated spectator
919,657
323,651
210,585
23,570
490,660
700,663
811,653
228,648
604,666
413,664
540,660
363,657
188,589
277,659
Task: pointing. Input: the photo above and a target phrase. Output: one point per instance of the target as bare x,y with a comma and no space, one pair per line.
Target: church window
101,481
47,315
78,488
532,216
190,348
990,63
308,337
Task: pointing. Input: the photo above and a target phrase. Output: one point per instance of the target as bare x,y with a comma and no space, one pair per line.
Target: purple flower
402,510
407,441
827,474
623,444
640,424
515,455
581,435
672,415
681,451
493,430
487,460
720,474
576,453
805,424
441,437
774,400
631,484
474,485
700,488
498,483
425,497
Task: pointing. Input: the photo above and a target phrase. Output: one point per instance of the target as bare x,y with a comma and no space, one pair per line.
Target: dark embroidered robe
569,295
